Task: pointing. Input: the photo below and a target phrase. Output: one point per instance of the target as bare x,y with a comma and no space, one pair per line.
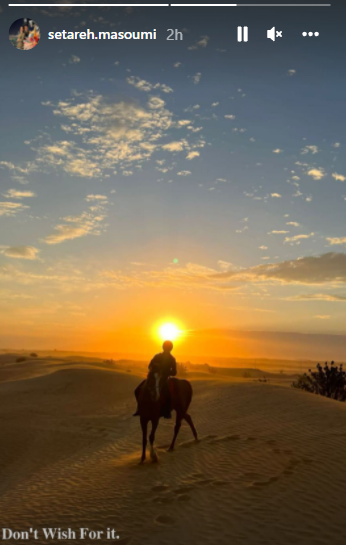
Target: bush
328,381
33,355
20,360
181,370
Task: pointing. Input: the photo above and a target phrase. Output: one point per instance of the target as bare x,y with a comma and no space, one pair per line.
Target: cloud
175,146
322,316
337,145
336,241
67,232
294,223
20,179
193,276
316,173
192,155
263,247
105,135
203,42
91,198
339,177
214,104
197,78
276,195
177,64
229,116
297,238
17,168
278,232
311,271
245,228
277,150
71,158
140,264
8,295
291,72
323,269
11,208
194,129
310,149
184,173
21,252
224,265
15,194
155,102
74,59
318,297
143,85
88,223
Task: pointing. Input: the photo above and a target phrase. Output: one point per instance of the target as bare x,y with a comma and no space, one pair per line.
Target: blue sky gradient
203,179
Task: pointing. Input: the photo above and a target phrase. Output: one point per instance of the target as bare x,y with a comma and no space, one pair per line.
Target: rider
166,365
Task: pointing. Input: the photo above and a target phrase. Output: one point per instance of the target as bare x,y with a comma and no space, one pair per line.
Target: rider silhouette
166,365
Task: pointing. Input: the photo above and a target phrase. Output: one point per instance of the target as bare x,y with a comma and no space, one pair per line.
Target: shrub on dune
182,370
328,381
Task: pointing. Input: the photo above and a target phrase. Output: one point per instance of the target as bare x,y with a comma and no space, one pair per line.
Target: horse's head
153,385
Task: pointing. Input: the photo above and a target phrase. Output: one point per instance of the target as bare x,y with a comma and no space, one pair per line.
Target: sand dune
269,467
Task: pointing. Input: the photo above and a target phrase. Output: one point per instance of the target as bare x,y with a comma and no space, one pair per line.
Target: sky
200,182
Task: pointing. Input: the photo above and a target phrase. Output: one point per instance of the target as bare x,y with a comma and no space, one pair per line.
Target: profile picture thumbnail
24,34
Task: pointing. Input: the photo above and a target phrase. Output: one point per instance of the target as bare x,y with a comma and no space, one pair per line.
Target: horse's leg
176,431
153,453
138,389
138,392
188,419
144,424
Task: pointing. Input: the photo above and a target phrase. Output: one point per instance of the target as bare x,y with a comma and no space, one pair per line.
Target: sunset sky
200,182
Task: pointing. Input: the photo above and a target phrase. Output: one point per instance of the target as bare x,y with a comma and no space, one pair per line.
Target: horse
150,405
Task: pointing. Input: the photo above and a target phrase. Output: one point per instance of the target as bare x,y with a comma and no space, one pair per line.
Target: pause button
243,34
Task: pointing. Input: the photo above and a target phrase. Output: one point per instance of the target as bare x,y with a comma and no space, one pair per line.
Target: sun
168,331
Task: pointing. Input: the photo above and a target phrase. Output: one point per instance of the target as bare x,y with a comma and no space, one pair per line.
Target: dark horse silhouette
150,405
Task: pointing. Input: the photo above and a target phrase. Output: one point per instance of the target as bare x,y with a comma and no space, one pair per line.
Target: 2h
174,34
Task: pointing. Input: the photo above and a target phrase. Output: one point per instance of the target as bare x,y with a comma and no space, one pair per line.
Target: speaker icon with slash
272,34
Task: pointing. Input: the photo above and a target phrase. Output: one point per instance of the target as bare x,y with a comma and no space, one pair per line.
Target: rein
153,385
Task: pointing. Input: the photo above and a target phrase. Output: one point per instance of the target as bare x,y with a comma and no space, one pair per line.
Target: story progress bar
172,5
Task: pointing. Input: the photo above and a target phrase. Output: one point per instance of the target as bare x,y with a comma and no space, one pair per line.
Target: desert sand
269,467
